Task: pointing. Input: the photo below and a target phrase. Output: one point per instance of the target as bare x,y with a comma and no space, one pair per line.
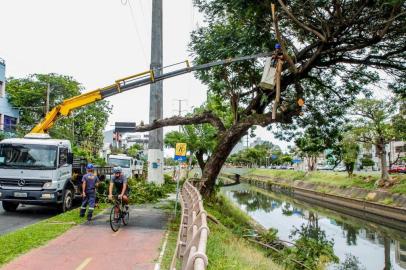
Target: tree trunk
312,160
200,160
387,254
382,155
214,164
349,167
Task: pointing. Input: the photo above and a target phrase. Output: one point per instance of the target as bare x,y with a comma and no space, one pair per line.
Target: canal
371,246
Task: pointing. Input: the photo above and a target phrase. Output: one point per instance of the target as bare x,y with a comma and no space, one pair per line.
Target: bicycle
118,215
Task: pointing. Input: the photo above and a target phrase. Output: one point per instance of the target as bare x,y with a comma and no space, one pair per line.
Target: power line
128,3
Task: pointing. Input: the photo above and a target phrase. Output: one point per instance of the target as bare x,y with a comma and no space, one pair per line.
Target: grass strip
23,240
226,249
338,179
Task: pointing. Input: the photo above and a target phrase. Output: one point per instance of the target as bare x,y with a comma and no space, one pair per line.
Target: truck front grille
38,183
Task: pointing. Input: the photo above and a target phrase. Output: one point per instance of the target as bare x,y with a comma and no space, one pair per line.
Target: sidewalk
96,246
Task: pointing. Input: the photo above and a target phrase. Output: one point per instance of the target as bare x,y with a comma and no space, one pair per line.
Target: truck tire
67,201
10,206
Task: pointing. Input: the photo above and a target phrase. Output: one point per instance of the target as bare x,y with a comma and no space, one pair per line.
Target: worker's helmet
117,169
277,46
89,166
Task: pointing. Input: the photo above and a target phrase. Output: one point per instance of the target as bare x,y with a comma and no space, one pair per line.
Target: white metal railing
193,231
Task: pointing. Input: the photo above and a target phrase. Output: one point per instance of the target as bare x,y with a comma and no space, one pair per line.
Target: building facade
8,115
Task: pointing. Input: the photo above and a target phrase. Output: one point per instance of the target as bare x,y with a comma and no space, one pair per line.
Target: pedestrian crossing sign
180,152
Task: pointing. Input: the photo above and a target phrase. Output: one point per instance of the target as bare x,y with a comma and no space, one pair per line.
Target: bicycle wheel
126,217
115,220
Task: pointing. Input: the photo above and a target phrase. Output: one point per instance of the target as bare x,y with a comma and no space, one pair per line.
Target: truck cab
130,166
36,170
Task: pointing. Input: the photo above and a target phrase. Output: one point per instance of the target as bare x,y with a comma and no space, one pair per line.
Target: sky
98,41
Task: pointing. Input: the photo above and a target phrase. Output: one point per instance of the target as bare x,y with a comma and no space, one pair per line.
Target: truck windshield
28,156
125,163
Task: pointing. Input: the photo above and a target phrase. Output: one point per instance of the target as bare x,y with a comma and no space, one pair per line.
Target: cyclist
89,183
120,183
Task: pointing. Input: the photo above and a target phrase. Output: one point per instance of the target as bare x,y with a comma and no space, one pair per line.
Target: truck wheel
67,201
10,206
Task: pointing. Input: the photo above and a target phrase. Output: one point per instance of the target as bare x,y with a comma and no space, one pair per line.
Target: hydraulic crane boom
123,85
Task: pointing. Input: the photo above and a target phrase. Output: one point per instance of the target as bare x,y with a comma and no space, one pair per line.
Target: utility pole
47,100
180,109
155,143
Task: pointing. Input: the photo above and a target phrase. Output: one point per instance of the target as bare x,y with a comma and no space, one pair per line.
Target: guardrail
193,231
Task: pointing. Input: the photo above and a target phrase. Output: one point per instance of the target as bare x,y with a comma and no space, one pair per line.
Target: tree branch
206,117
302,25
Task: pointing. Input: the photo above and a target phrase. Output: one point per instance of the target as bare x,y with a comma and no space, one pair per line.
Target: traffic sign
180,152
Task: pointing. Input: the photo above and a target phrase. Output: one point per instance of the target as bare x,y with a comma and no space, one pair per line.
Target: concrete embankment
357,202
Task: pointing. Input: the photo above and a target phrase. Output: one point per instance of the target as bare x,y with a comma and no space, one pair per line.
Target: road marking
161,255
84,264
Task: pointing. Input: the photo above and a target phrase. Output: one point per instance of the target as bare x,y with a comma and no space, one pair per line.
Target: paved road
24,216
96,246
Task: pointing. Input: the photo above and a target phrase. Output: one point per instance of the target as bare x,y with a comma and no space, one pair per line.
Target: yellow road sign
180,149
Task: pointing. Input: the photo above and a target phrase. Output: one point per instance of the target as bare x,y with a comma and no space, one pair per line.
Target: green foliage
84,127
134,150
350,263
259,155
141,191
367,162
350,152
312,249
170,162
29,94
200,139
373,122
269,236
89,123
144,192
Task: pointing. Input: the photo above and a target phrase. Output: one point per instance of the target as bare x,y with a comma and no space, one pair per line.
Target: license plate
20,195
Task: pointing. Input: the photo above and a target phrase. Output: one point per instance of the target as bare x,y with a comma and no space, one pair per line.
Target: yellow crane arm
125,84
65,108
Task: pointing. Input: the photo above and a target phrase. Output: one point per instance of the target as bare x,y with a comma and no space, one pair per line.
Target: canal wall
347,200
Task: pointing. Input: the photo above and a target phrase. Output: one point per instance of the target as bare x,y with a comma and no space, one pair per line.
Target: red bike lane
96,246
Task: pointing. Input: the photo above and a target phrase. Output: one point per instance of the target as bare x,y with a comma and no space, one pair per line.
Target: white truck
39,170
131,167
36,170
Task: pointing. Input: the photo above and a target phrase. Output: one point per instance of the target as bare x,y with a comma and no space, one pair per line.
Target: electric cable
128,3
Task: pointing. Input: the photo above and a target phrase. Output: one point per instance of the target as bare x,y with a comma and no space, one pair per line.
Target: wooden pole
278,88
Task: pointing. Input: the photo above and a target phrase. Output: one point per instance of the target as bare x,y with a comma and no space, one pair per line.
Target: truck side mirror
70,158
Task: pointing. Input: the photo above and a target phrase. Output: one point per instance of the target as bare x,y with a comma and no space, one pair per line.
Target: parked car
325,168
340,169
398,169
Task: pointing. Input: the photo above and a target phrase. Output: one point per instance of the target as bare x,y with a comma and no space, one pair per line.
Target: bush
140,190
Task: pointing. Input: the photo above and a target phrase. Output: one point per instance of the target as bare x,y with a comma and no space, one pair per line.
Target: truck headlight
47,196
47,185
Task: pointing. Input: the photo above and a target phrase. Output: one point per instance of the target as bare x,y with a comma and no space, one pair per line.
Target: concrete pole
155,144
47,101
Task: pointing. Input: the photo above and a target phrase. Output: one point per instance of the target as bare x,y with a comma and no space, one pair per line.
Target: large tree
332,50
373,126
84,127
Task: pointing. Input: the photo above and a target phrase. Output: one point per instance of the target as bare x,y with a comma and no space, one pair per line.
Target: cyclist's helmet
89,166
277,46
117,169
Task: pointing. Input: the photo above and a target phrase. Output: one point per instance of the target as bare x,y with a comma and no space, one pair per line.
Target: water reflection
357,242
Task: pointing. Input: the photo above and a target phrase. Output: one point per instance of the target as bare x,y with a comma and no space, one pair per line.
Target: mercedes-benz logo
21,182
